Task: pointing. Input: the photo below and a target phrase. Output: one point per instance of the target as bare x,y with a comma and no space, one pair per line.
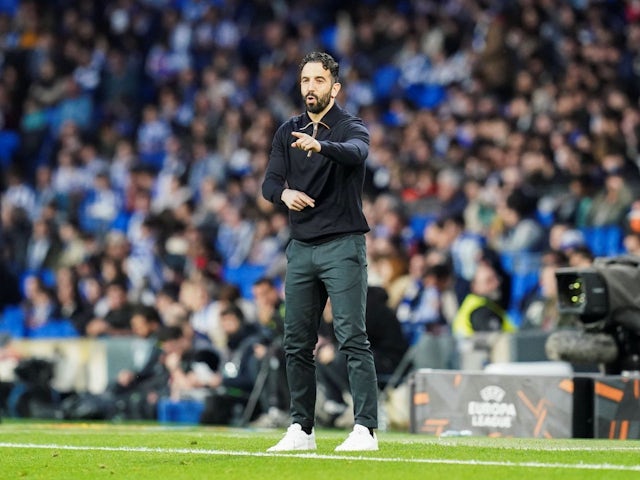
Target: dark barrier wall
539,406
496,405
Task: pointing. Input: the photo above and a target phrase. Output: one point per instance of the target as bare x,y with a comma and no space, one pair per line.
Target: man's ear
335,88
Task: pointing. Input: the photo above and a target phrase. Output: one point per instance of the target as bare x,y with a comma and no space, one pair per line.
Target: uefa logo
492,393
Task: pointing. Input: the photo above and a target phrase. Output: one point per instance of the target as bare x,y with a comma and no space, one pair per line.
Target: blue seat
179,411
521,285
48,276
329,37
425,96
385,81
244,277
121,221
12,321
54,328
10,7
614,237
606,240
9,143
417,224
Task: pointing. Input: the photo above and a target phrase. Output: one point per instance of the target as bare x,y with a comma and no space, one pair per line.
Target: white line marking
537,447
231,453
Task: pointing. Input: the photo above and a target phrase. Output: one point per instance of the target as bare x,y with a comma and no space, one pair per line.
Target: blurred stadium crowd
134,135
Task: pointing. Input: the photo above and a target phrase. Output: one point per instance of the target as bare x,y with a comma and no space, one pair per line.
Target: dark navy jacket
333,178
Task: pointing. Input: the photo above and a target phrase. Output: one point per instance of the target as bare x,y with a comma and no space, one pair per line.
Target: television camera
605,298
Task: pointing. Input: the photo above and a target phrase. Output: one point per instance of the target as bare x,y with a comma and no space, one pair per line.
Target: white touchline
313,456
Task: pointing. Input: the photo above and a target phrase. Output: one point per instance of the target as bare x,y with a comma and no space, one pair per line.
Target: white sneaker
359,440
295,439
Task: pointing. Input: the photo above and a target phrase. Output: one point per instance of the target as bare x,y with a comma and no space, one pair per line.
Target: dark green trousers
336,269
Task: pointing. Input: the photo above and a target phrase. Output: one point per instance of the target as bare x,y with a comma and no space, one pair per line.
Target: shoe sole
356,450
269,450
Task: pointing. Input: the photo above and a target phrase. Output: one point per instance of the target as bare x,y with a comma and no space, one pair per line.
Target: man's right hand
296,200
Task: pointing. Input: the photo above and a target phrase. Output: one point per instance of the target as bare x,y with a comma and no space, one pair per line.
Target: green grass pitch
51,450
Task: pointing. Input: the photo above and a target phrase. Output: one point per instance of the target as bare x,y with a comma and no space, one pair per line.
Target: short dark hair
168,333
327,61
149,312
233,310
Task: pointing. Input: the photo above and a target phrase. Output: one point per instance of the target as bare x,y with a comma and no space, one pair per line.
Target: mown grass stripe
314,456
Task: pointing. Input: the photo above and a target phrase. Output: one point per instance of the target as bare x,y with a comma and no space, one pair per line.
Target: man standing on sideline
316,168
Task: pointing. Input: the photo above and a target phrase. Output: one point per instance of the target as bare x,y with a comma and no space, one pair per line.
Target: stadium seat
13,321
385,81
329,37
10,7
604,240
244,277
417,224
425,96
614,240
9,143
54,328
179,411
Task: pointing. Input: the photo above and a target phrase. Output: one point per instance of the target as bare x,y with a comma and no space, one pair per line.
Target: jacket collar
329,120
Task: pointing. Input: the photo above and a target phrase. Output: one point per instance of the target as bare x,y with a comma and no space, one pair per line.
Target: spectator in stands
230,389
39,303
48,88
72,247
132,387
151,136
611,205
198,296
18,193
409,296
521,231
480,310
581,257
459,247
390,270
235,236
43,248
267,248
117,319
134,393
101,205
70,303
68,181
573,206
431,310
452,200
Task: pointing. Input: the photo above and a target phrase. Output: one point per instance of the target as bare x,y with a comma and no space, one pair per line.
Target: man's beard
320,105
